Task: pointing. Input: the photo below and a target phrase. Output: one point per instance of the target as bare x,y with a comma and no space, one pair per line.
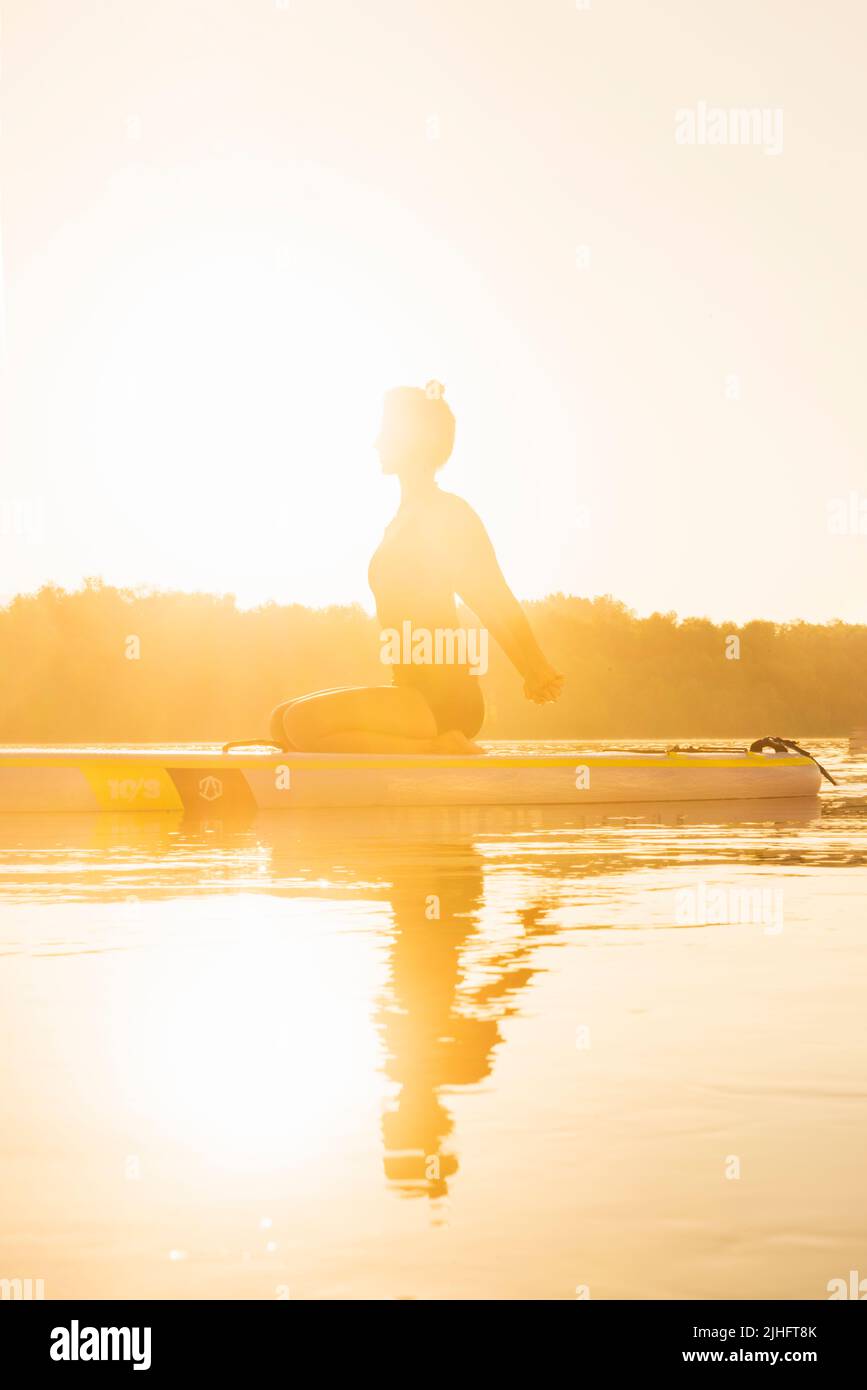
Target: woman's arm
482,585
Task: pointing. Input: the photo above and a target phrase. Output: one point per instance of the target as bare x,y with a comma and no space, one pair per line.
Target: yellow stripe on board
151,766
132,787
361,762
334,762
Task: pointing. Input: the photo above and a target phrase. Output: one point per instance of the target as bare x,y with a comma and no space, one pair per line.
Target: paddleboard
207,782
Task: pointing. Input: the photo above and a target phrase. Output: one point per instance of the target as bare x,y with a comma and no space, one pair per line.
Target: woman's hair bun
422,416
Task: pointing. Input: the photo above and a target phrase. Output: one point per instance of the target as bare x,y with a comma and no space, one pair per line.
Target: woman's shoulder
457,511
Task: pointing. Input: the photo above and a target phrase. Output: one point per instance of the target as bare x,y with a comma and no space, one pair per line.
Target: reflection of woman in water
451,984
435,547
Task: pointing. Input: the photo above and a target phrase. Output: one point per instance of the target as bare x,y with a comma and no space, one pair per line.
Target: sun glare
258,1057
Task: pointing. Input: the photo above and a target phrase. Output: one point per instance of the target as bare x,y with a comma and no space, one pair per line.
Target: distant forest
111,665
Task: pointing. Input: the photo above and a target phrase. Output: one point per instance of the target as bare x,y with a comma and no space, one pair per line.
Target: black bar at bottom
216,1338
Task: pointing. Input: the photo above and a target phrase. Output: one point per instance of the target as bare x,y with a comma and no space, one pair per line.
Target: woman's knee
300,722
304,721
277,725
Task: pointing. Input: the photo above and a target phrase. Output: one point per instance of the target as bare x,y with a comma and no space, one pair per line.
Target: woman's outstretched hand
544,685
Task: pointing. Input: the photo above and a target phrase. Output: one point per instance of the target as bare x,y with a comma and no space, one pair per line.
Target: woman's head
417,432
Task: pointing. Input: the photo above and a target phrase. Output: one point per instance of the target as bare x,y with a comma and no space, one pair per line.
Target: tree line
110,665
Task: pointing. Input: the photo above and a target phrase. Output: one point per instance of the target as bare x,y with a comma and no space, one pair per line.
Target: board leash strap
255,743
781,745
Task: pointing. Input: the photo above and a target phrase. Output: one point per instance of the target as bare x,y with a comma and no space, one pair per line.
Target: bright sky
229,225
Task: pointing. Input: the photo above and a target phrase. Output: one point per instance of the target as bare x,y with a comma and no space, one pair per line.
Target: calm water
474,1054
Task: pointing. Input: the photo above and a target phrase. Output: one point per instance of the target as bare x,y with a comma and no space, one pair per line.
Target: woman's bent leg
358,719
278,733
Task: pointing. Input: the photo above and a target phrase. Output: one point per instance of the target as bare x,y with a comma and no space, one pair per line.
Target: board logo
210,788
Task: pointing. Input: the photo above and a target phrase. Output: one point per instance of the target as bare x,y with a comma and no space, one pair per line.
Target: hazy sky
229,225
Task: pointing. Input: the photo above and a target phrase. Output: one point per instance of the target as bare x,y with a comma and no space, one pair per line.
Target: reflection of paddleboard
213,783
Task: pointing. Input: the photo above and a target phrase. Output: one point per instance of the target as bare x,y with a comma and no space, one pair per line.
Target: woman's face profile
393,444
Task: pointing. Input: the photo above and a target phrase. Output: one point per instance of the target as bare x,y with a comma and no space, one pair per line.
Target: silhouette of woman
435,547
